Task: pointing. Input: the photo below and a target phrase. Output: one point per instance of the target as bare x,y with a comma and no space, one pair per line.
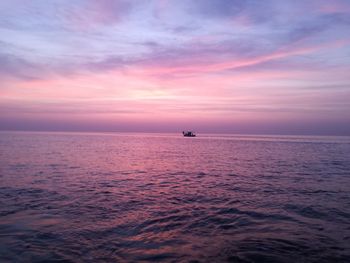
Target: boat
188,134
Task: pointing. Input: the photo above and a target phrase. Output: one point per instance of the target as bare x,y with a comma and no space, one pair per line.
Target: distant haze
223,66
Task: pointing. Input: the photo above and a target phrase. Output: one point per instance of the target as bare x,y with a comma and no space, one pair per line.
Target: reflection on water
163,197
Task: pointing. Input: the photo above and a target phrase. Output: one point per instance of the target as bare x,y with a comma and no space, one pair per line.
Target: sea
137,197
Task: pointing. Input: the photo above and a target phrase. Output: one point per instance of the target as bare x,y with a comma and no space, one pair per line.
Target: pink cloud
96,13
206,65
334,6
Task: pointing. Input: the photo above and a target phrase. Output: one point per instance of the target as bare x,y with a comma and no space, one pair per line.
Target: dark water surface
70,197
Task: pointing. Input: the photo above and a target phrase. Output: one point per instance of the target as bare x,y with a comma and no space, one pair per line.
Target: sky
221,66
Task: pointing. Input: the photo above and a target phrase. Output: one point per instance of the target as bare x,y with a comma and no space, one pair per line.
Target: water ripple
106,198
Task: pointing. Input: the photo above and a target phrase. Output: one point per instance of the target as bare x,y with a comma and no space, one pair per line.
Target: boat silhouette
188,134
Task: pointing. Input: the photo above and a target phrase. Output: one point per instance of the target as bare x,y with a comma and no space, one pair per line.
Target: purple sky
280,67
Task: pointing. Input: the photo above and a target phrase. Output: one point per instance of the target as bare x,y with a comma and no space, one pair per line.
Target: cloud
103,12
199,51
205,61
308,27
14,67
219,8
62,16
165,62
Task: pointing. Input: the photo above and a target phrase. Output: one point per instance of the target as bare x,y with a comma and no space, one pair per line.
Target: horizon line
176,132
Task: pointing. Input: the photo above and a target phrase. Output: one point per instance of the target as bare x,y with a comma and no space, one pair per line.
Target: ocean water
80,197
